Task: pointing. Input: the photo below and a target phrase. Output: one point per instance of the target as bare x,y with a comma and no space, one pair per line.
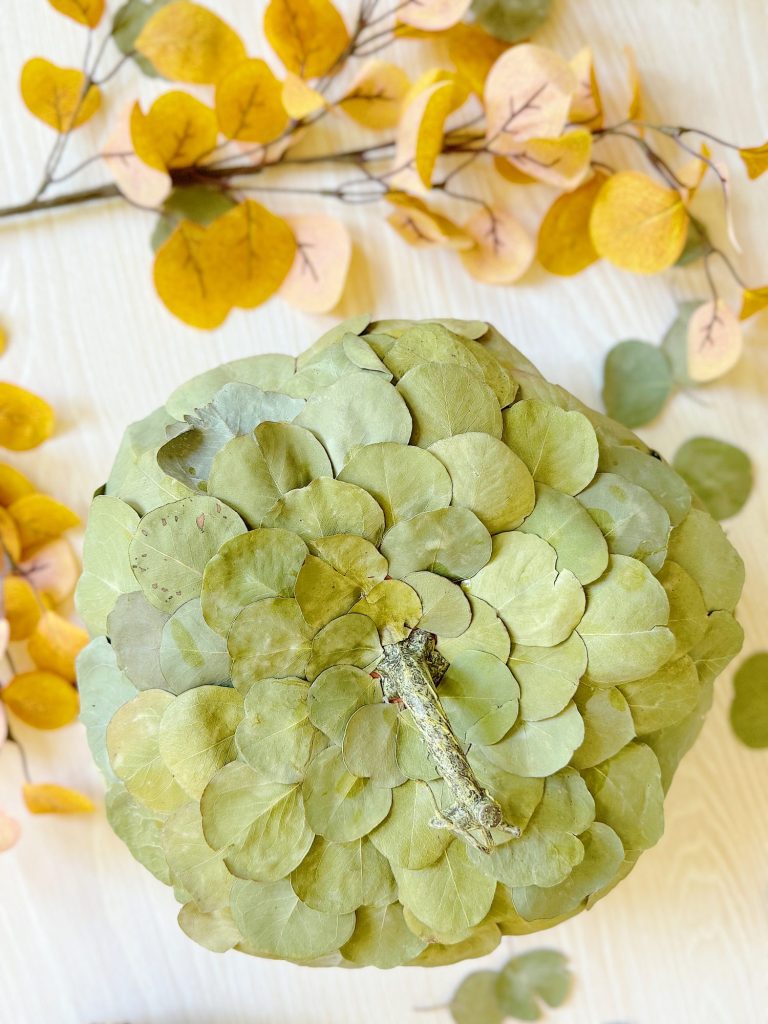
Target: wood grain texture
87,935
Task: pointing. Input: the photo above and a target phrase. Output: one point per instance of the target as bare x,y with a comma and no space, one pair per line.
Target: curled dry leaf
25,419
56,643
635,105
637,224
432,15
21,607
420,226
754,300
308,37
565,244
474,52
249,103
186,42
316,280
41,699
420,137
55,95
375,97
177,131
299,99
562,162
755,159
139,183
86,12
49,798
715,341
504,250
40,518
587,102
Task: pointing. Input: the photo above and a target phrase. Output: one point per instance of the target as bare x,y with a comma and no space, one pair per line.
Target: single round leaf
558,447
336,695
450,895
548,676
340,806
381,938
328,507
445,609
191,654
481,697
337,878
369,745
538,749
664,698
475,1000
700,546
565,524
349,640
276,737
541,975
111,525
719,473
486,632
628,796
749,708
608,724
637,382
445,400
269,639
450,542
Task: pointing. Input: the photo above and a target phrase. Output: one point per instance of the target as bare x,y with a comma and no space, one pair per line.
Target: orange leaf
565,245
86,12
13,484
420,137
186,42
249,103
41,699
187,276
316,280
55,95
474,52
25,420
587,103
528,94
22,607
637,224
40,518
52,570
504,250
561,162
139,183
10,541
10,830
432,15
753,301
755,159
299,98
420,226
178,131
715,341
309,36
48,798
375,97
56,643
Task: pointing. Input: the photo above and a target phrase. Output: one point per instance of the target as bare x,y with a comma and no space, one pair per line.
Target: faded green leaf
445,400
749,708
558,447
111,525
527,980
340,806
719,473
269,639
632,522
349,640
328,507
637,382
481,697
450,542
197,735
548,676
276,737
565,524
191,654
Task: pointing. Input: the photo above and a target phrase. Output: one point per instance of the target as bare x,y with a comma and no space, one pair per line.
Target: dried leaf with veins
177,131
504,249
316,280
138,182
186,42
57,95
421,226
562,162
420,137
299,99
715,341
187,272
309,36
375,97
249,103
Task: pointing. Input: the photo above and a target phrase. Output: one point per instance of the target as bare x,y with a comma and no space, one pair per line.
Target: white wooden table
87,935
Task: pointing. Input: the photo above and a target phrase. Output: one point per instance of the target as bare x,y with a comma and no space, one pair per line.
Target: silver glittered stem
411,671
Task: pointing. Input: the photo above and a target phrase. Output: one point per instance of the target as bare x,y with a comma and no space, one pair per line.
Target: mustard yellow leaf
13,484
25,420
86,12
433,15
48,798
637,224
635,107
510,173
249,103
57,95
715,341
177,131
691,174
40,518
375,97
562,162
587,103
528,94
420,137
188,276
299,98
139,183
503,250
309,36
753,301
42,699
55,644
22,607
474,52
186,42
316,280
565,245
435,76
10,541
755,159
420,226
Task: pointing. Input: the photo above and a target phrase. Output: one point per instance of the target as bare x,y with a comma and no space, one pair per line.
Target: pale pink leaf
10,830
715,341
432,15
504,249
316,280
139,183
53,570
420,138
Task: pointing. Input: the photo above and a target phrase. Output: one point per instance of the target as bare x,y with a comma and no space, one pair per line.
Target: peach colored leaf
715,341
249,103
753,300
5,637
375,97
186,42
49,798
587,103
421,226
10,830
52,570
503,250
420,137
54,95
474,52
309,36
299,99
316,280
755,159
562,162
85,12
139,183
432,15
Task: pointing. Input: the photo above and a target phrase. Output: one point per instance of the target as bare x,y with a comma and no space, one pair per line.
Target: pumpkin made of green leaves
397,646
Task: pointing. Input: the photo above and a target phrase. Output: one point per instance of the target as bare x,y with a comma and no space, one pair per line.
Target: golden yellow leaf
691,174
55,95
13,484
637,224
528,94
55,644
510,173
309,36
48,798
562,162
177,131
3,340
420,226
40,518
587,103
432,15
503,250
316,280
86,12
565,245
299,98
25,419
139,183
41,699
249,103
52,570
474,52
10,542
635,108
755,159
187,275
420,137
22,607
375,97
186,42
435,76
715,341
753,301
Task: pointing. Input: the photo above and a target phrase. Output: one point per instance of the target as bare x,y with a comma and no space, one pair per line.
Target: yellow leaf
420,137
587,103
435,76
299,99
86,12
309,36
3,340
316,280
433,15
139,183
510,173
565,245
503,250
22,607
375,97
691,174
13,484
755,159
474,52
178,131
25,420
52,570
635,108
715,341
10,542
48,798
10,830
420,226
186,42
637,224
249,103
528,94
55,95
753,301
42,699
55,644
187,275
561,162
40,518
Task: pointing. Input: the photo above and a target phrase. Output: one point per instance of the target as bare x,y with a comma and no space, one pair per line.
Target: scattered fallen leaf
316,280
249,103
55,95
749,710
637,381
186,42
56,643
504,249
40,518
715,341
49,798
43,700
565,244
309,37
720,473
25,420
21,607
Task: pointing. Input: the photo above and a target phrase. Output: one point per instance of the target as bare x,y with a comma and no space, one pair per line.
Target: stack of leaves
397,646
38,575
523,113
515,992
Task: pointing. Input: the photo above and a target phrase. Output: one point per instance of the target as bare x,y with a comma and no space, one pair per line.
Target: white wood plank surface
87,935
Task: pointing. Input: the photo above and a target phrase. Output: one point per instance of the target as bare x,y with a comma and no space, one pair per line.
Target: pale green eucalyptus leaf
632,522
530,979
369,746
558,447
445,609
664,698
192,862
718,472
749,708
449,895
325,508
721,642
349,640
340,806
381,938
191,654
629,796
475,1000
675,343
687,611
538,749
135,631
276,737
444,400
140,828
548,676
608,724
700,546
323,593
103,688
213,929
481,697
269,639
651,473
565,524
337,878
335,696
511,20
429,343
405,837
450,542
197,735
393,607
637,381
517,796
412,754
483,939
486,632
111,525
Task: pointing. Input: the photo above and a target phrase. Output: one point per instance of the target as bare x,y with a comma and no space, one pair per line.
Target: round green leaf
566,525
664,698
512,22
103,689
632,521
269,639
322,593
393,607
558,447
428,343
327,507
608,724
719,473
628,796
486,632
276,737
349,640
370,745
111,525
336,695
135,631
268,372
213,929
749,709
405,837
445,609
720,644
541,975
699,545
337,878
445,400
412,754
637,382
191,654
481,697
381,938
651,473
191,860
548,676
140,828
475,1000
450,542
518,797
340,806
687,611
538,749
